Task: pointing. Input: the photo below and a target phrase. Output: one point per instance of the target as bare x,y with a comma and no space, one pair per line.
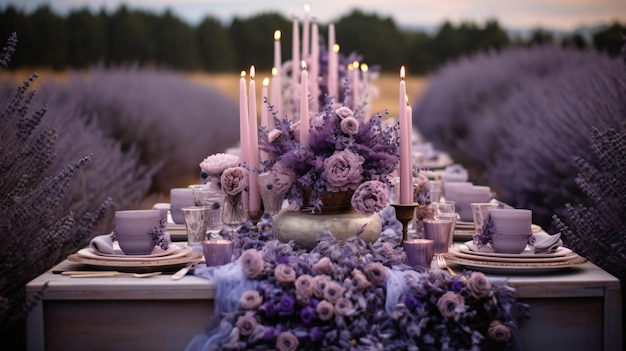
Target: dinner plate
139,265
176,251
460,223
458,252
560,251
156,252
514,267
463,234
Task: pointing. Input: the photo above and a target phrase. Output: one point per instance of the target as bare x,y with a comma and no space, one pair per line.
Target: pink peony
342,171
350,126
448,303
252,263
323,266
250,300
319,283
344,112
325,310
499,332
234,180
371,196
281,178
218,163
478,285
333,291
284,273
246,325
376,272
287,342
304,288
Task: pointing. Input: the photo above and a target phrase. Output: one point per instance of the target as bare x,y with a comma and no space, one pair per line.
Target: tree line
83,38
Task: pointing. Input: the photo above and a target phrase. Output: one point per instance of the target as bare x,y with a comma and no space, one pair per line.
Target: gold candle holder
404,214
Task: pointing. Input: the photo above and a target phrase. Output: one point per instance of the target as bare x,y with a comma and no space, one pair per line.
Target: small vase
272,202
233,214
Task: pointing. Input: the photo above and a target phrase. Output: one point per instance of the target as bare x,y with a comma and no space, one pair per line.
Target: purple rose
307,314
371,196
325,310
478,285
246,325
323,266
344,112
250,300
411,302
499,332
269,309
287,342
349,125
376,272
304,288
234,180
286,305
333,291
342,171
252,263
281,178
448,303
284,273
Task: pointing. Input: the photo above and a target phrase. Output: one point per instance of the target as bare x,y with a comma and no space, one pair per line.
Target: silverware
102,274
183,271
442,264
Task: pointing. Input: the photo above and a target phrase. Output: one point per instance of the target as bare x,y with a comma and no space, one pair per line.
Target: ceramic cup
217,252
511,220
463,196
134,230
419,252
438,230
509,243
179,198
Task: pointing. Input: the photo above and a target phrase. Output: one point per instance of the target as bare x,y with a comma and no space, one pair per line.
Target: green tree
87,41
609,39
175,42
51,38
215,50
252,39
131,37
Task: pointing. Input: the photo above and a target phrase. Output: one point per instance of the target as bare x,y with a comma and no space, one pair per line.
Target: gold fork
442,264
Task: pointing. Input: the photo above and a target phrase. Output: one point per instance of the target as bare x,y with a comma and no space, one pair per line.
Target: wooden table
578,309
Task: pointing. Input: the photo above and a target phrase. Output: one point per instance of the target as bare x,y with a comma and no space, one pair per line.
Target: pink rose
420,183
478,285
448,303
333,291
499,332
281,178
304,288
319,283
284,273
252,263
325,310
287,342
234,180
217,163
250,300
323,266
342,171
371,196
360,280
344,112
343,307
246,325
376,272
349,125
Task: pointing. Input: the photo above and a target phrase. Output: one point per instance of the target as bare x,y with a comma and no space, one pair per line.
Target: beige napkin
102,243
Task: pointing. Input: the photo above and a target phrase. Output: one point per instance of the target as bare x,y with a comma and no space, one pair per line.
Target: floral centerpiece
347,155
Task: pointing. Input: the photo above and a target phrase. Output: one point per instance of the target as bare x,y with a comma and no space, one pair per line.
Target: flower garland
353,296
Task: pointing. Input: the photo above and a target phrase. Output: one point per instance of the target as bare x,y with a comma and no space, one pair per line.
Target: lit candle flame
277,35
303,64
274,71
266,81
364,67
355,64
307,8
336,47
243,74
402,72
252,72
406,98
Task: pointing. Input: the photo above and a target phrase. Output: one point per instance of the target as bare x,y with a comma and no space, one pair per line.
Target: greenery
83,38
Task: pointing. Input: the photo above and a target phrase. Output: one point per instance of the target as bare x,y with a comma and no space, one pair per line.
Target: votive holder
419,253
217,252
438,230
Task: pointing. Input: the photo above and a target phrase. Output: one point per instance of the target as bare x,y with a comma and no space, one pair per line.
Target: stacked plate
526,262
464,230
177,255
177,232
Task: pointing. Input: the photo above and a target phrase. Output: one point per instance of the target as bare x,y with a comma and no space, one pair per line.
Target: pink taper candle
244,139
304,106
406,188
277,54
253,169
315,52
295,54
276,96
305,33
332,66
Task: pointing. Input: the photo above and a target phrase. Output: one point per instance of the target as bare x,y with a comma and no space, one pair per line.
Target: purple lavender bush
516,118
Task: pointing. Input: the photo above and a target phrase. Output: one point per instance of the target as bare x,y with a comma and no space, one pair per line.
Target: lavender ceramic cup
134,230
217,252
511,220
179,198
465,195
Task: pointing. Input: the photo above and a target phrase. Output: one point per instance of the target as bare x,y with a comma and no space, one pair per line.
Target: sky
515,14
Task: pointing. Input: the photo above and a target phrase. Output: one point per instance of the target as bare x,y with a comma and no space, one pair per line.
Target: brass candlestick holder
404,214
255,217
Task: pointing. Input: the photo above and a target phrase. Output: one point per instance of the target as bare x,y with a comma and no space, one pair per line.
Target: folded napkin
546,243
103,244
484,248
